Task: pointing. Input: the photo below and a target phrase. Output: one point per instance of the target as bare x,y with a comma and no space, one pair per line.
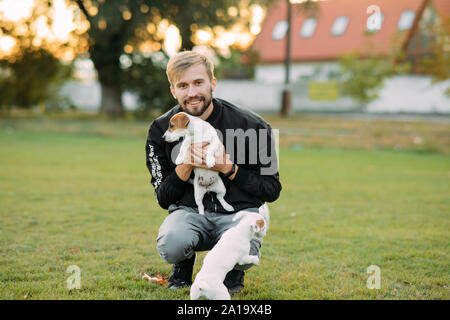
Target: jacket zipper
215,206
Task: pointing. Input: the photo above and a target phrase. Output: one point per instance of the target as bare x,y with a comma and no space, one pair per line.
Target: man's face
193,90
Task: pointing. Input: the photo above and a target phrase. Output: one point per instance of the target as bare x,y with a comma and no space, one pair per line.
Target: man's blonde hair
186,59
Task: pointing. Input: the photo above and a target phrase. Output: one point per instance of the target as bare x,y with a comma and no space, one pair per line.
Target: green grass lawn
85,199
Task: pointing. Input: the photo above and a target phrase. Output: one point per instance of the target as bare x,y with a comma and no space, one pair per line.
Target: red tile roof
323,45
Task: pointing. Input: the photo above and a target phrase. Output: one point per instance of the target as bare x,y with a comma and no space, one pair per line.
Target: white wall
405,94
261,97
266,97
414,94
401,94
87,95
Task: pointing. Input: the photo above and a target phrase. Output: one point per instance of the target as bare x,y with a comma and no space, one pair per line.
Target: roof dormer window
339,26
308,28
406,20
280,29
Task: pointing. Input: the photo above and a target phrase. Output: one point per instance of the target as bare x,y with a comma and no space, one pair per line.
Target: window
406,20
339,26
279,31
308,28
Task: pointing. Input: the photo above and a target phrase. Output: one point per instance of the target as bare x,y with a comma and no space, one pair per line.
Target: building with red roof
371,27
340,27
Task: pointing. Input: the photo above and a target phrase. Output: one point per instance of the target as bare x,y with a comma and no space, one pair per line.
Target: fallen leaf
159,279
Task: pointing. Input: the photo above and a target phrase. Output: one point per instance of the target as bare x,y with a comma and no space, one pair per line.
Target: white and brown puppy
233,248
196,130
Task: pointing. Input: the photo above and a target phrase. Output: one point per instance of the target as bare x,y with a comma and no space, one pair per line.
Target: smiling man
249,183
193,90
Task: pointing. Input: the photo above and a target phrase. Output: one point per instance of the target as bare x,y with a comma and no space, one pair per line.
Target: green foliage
146,77
190,15
363,77
239,65
308,8
109,33
437,63
34,77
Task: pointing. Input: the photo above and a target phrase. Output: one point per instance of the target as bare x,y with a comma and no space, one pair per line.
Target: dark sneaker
181,275
234,281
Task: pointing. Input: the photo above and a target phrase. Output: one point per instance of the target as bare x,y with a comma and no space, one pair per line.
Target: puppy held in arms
233,248
196,130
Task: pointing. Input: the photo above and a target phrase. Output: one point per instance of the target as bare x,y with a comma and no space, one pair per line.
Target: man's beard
206,102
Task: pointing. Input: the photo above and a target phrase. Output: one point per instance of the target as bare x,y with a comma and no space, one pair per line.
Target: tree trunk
286,107
111,104
186,42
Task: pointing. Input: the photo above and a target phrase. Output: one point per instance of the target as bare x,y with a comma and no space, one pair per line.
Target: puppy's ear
260,228
260,223
185,121
180,121
265,213
256,228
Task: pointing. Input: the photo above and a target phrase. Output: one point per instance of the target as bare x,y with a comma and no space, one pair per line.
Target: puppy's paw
255,260
210,162
179,160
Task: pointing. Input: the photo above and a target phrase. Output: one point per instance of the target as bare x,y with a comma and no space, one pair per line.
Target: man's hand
184,169
223,162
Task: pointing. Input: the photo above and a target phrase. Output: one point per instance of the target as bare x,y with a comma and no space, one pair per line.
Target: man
250,174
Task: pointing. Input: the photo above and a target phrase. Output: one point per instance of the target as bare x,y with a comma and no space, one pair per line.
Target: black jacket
257,179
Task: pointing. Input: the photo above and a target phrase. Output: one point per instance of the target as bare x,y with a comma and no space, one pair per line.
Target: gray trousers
185,231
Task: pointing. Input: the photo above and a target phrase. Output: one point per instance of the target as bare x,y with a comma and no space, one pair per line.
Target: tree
437,62
30,79
191,15
113,25
362,77
146,77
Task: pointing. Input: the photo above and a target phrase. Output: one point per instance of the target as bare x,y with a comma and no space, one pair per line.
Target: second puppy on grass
233,248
